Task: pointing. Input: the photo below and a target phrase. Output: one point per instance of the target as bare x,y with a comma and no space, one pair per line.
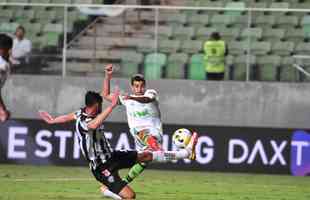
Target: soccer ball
181,137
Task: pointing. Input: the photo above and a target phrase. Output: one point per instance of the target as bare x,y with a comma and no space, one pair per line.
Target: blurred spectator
21,48
5,47
215,51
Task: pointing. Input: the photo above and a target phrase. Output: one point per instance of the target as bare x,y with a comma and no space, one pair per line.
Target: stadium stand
270,37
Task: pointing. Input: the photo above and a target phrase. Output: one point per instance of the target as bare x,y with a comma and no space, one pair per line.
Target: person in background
21,48
215,51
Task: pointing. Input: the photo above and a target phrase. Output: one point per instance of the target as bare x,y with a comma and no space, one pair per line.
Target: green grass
68,183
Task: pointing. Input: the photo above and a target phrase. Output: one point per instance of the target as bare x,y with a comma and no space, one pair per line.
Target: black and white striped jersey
93,143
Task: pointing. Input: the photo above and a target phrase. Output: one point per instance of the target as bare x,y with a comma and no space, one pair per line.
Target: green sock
134,172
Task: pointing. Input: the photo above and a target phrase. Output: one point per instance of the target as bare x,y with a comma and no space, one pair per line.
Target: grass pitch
76,183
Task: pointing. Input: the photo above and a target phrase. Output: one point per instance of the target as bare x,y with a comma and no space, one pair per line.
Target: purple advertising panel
226,149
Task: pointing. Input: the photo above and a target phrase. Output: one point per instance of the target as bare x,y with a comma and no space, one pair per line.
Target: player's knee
145,157
129,195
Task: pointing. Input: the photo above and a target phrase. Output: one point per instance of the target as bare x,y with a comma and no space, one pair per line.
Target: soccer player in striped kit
105,162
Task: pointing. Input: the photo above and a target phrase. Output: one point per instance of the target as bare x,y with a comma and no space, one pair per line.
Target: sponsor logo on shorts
106,173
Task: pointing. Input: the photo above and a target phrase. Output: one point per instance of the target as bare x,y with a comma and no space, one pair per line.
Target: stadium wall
241,104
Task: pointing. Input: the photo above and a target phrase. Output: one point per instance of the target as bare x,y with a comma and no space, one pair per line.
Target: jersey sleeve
77,114
152,94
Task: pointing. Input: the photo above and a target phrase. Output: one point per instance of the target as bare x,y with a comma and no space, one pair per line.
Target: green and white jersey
143,115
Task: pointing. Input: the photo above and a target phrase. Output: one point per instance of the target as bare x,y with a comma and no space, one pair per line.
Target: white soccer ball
181,137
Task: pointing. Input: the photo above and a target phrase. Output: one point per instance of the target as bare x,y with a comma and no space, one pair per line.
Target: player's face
19,33
96,109
138,88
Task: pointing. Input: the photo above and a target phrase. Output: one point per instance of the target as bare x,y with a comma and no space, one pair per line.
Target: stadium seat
183,33
260,48
237,48
240,21
283,48
8,27
176,66
146,45
40,1
44,16
196,68
295,35
204,33
19,1
258,4
82,1
164,32
169,46
153,65
209,3
130,63
22,16
268,67
240,5
229,34
61,1
287,72
172,18
240,66
302,48
286,22
305,23
191,46
218,21
39,43
280,5
198,20
274,34
264,21
52,33
6,14
252,33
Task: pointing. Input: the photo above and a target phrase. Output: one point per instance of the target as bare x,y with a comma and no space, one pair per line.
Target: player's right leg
166,156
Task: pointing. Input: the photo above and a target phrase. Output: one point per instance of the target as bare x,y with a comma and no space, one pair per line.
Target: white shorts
138,134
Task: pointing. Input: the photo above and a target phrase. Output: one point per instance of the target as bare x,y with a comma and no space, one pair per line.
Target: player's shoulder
151,91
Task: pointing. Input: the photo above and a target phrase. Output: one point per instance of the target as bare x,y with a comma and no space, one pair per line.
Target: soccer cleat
192,146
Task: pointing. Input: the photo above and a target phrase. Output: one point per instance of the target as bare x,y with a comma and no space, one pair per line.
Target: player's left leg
135,171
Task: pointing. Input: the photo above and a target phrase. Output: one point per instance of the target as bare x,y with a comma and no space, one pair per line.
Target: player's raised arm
57,120
95,123
106,83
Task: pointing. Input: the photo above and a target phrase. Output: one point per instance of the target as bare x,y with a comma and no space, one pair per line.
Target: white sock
108,193
165,156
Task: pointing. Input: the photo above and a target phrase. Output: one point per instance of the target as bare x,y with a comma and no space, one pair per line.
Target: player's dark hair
91,98
6,41
137,77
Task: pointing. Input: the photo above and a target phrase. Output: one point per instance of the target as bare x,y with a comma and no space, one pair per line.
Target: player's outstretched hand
46,116
115,96
108,71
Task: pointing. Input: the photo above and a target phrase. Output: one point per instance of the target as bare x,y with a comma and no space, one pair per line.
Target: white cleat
192,146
